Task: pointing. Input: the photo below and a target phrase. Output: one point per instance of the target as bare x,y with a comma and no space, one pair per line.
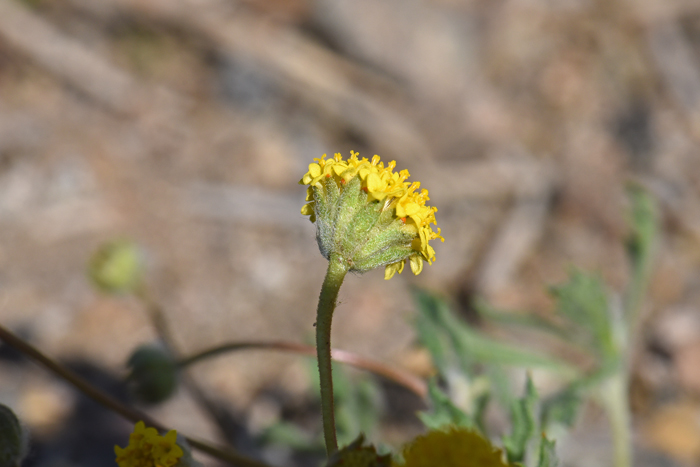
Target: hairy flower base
369,214
148,449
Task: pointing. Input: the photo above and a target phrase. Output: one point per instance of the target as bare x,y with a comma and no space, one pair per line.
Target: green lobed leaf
444,411
520,320
643,222
584,301
561,408
547,455
469,346
429,331
523,422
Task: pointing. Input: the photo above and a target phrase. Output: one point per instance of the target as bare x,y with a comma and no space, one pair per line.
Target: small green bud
117,267
153,374
11,438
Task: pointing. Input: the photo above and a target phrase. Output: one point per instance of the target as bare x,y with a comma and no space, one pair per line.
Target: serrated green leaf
561,408
584,301
548,456
288,434
523,320
643,223
444,411
429,332
471,348
523,422
484,350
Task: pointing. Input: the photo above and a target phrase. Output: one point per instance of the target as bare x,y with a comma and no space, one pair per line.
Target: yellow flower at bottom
148,449
456,447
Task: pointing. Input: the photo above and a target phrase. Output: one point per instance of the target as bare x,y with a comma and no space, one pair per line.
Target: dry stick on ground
84,70
67,59
111,403
517,235
326,81
678,68
330,84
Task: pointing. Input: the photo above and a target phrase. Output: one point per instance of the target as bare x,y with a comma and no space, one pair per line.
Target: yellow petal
406,210
389,271
375,183
315,170
401,265
307,209
171,436
416,264
339,168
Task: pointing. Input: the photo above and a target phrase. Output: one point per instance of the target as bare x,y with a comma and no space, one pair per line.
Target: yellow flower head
370,214
148,449
455,447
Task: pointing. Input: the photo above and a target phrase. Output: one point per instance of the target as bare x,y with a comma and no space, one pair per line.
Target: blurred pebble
677,328
675,430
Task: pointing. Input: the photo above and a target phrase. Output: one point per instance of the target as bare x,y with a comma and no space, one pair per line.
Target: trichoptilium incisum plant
366,216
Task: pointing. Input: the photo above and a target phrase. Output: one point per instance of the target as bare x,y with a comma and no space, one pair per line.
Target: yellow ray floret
148,449
381,184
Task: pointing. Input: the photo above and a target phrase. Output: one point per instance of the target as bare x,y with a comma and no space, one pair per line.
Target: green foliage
358,406
547,455
583,301
480,360
561,408
524,421
444,412
452,339
643,222
587,319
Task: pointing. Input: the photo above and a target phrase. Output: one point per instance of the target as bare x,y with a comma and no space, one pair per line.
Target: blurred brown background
186,124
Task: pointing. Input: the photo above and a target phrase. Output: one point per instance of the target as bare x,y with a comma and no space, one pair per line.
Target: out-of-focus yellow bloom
148,449
329,178
456,447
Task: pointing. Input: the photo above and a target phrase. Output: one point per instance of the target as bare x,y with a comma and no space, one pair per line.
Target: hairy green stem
337,268
615,397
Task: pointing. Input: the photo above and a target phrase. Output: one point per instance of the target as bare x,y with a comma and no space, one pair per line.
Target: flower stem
616,401
337,269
